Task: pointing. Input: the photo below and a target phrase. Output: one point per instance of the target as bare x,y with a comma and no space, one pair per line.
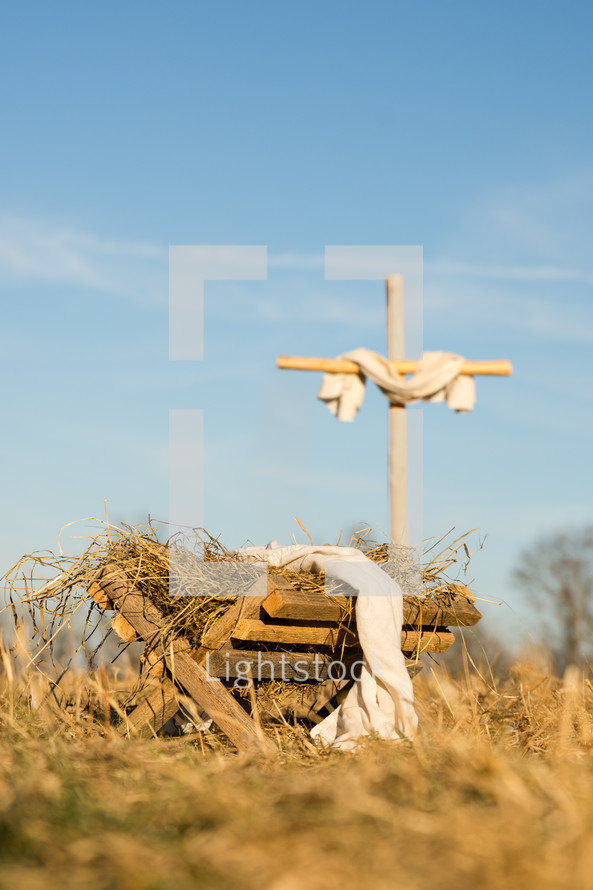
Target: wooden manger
287,635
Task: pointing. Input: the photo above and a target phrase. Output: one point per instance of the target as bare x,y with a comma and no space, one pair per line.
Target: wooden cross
398,509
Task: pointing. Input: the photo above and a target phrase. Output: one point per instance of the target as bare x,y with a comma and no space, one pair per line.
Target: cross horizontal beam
491,368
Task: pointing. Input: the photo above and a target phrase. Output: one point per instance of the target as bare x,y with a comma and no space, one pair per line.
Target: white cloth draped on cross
437,378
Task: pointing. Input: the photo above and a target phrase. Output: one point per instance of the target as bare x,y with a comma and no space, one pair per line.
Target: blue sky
128,128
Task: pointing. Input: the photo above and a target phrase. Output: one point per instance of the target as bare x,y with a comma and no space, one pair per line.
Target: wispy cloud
41,251
559,310
297,302
542,229
519,260
509,273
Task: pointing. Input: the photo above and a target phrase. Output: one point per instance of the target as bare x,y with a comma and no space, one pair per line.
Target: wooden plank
147,718
124,629
397,455
303,606
413,667
210,694
414,641
463,591
278,583
297,635
309,635
489,367
456,610
287,666
96,592
220,631
325,692
153,663
300,703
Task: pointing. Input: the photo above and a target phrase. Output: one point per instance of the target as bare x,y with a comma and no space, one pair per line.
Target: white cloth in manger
381,701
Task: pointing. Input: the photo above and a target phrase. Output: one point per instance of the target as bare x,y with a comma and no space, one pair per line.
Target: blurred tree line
556,575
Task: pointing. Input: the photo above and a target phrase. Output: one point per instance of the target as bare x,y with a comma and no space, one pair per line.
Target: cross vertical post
397,459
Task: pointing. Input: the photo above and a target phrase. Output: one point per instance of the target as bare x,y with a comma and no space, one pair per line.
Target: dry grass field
496,791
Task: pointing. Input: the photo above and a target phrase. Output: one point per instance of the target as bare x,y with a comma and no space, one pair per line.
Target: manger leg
151,714
212,697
